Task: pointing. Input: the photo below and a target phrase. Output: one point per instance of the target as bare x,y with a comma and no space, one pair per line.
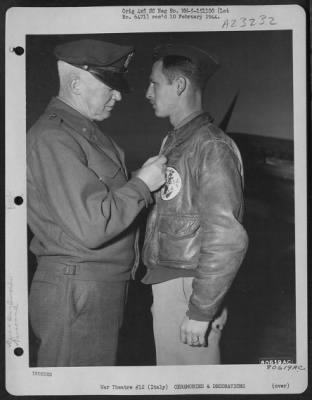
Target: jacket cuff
196,315
143,189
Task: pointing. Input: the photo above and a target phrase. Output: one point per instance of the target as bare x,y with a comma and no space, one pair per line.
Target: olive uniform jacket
81,205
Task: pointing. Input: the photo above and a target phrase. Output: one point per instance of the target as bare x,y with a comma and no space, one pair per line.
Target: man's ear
181,84
75,85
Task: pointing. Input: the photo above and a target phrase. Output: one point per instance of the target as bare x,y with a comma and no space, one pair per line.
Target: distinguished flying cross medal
173,184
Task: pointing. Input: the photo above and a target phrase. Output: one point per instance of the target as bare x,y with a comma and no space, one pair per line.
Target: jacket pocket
104,168
179,239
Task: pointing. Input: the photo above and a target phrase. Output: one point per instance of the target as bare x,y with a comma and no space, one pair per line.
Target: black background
260,65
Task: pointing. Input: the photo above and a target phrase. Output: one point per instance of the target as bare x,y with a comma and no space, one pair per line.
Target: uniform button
84,129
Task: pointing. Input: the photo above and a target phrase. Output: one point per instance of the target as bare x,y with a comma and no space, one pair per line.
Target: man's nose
117,95
148,93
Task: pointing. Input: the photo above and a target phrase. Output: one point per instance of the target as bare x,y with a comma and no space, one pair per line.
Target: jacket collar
179,135
189,118
194,120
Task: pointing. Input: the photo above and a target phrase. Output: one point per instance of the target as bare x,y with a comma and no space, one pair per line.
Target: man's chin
100,117
160,114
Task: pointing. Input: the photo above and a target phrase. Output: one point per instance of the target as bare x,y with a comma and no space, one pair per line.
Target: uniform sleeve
224,240
85,208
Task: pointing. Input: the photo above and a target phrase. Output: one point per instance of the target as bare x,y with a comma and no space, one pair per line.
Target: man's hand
193,332
151,160
152,172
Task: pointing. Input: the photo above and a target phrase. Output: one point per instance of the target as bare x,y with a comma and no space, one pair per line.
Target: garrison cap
207,63
108,62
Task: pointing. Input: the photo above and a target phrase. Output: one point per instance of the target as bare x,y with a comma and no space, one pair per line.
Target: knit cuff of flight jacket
198,316
143,189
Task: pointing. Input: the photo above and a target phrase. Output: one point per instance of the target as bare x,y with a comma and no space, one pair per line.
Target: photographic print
156,200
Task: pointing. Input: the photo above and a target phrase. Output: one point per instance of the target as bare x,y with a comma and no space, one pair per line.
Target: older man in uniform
82,209
195,241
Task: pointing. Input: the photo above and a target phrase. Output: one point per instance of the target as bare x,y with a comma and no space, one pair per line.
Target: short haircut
66,72
175,65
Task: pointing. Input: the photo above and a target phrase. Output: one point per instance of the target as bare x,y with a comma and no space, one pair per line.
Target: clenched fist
152,172
193,332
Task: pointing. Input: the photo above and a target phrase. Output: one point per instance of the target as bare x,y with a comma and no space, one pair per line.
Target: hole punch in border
18,351
18,200
18,50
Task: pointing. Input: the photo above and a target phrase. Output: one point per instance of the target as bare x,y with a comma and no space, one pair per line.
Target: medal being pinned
173,184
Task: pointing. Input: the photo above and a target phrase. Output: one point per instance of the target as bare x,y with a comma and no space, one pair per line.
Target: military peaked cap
108,62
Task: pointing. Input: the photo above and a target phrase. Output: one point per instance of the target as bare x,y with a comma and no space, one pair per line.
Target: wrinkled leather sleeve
224,240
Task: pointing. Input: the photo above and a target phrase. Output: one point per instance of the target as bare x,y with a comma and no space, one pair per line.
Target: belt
52,270
65,269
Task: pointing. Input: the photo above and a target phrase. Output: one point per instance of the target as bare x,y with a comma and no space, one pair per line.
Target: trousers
76,322
170,304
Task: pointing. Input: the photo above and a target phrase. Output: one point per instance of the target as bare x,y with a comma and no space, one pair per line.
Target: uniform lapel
108,147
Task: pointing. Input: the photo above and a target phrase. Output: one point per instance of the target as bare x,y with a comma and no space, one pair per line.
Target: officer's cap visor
113,79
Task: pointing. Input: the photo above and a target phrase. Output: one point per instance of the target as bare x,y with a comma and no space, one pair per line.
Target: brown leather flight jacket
196,222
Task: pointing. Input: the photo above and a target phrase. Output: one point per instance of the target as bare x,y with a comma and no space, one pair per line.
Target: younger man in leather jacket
195,241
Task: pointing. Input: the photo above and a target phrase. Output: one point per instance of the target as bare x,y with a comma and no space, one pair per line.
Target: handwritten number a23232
244,22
